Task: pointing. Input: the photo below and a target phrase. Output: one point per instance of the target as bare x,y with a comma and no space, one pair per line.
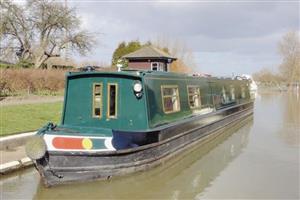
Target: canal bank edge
7,144
15,165
12,141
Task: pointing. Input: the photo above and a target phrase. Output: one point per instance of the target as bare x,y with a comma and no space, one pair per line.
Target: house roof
60,61
148,52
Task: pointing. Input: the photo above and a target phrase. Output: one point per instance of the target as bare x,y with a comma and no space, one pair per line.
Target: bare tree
267,77
289,48
186,60
41,29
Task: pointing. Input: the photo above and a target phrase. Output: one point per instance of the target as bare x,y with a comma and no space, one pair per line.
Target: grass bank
22,118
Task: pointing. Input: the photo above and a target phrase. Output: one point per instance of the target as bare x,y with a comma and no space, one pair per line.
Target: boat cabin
143,100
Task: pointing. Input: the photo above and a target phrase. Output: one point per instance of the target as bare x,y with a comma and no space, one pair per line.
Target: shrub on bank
31,81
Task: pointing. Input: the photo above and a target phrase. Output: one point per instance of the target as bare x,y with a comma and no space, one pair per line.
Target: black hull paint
65,167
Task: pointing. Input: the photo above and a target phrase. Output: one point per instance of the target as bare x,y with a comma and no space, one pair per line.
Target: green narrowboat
115,123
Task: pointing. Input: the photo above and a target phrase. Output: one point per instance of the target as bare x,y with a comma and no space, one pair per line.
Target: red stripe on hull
67,143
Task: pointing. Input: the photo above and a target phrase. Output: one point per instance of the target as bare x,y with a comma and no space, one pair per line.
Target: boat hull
65,167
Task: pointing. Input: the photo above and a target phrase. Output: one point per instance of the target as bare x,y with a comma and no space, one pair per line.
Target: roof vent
88,69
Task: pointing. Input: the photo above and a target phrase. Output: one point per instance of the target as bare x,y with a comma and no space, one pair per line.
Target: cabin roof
138,74
148,52
142,74
122,73
132,73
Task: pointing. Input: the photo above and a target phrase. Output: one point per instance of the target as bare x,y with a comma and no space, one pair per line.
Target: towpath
31,99
12,152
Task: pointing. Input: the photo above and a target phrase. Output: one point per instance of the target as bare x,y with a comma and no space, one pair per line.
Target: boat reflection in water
184,176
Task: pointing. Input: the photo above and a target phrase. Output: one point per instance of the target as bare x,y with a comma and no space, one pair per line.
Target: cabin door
112,100
105,99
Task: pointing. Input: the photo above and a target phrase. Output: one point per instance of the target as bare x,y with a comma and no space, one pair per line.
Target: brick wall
140,65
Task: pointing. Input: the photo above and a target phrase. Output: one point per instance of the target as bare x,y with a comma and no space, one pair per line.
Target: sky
225,37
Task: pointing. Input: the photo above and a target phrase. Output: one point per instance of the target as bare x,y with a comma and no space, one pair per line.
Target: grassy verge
22,118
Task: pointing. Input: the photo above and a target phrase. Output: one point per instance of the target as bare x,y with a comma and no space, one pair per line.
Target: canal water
258,159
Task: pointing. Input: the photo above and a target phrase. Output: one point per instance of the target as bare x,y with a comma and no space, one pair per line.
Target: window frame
200,103
157,66
108,101
101,101
232,92
163,97
243,92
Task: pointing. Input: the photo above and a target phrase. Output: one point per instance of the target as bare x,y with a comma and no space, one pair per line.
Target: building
149,58
59,63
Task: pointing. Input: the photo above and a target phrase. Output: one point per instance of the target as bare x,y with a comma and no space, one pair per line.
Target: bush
31,81
24,64
6,66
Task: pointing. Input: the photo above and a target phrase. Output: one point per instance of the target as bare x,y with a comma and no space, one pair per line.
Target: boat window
194,96
97,100
225,95
243,92
112,91
232,91
155,66
170,98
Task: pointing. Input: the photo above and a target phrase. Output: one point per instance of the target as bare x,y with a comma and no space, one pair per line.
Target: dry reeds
31,81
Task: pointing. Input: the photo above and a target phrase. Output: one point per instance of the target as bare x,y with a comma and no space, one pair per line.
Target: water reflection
269,166
19,185
282,111
290,130
182,177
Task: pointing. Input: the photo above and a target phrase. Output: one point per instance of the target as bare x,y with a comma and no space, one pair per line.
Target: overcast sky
225,37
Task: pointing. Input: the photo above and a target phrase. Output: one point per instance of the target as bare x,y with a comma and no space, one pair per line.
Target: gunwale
140,148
